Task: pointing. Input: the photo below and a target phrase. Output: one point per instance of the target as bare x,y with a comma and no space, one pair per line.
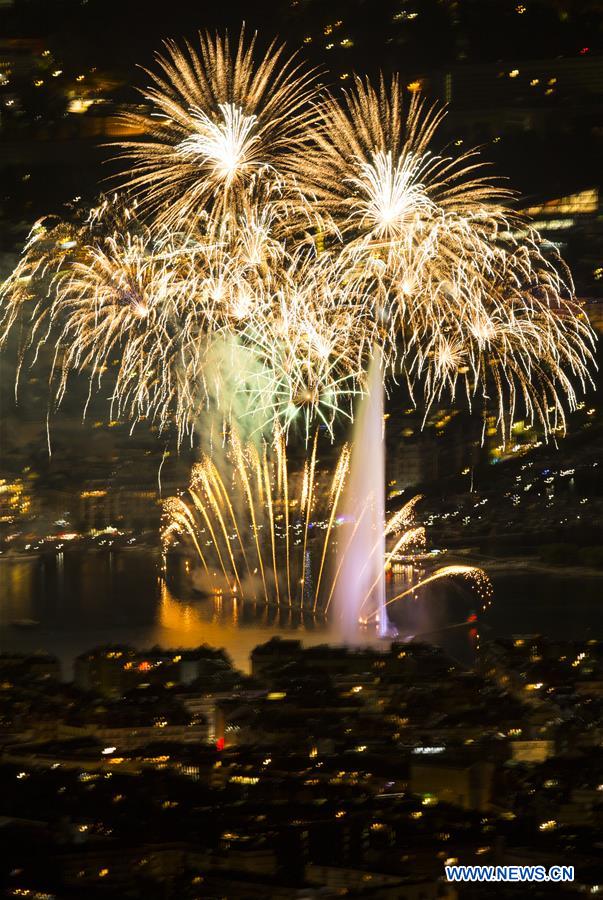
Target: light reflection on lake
82,599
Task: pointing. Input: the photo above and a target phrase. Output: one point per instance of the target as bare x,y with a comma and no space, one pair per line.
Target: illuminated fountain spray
360,585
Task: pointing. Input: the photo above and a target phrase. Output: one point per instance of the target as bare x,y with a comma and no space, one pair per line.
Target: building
420,451
123,737
350,881
114,670
17,666
464,784
19,57
490,99
16,501
128,507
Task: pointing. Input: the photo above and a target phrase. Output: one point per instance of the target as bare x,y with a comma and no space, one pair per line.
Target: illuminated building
532,751
114,670
16,502
124,506
277,652
418,453
519,96
578,204
572,224
19,57
125,736
103,670
465,784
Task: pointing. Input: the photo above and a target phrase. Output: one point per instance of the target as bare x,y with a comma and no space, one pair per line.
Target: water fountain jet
360,588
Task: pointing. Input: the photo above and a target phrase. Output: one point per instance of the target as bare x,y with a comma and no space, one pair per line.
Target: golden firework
299,232
218,119
265,531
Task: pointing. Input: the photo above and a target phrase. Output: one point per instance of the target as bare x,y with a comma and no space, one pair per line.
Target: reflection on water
85,598
236,625
17,589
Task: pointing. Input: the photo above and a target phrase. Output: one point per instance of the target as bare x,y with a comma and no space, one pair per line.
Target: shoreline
506,565
519,564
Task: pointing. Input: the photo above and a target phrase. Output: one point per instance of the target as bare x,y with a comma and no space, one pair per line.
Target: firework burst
469,298
302,230
218,120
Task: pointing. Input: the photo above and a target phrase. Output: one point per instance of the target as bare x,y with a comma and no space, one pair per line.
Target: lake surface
82,599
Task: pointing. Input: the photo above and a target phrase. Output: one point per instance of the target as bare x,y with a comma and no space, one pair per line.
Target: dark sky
439,32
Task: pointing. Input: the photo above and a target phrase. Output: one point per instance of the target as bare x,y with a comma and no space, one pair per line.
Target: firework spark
476,577
264,532
470,299
301,231
218,120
